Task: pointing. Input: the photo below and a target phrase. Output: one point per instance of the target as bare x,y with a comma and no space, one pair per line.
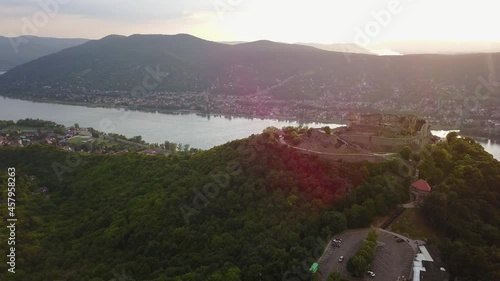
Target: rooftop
314,267
424,256
421,185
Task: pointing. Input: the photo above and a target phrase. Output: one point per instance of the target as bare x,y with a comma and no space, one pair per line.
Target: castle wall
383,141
371,129
373,119
361,140
377,143
350,157
410,123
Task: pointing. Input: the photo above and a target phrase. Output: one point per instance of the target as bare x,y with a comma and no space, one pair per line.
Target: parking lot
351,241
392,259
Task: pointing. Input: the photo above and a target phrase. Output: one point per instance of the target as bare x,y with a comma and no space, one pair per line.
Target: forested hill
247,210
465,206
181,63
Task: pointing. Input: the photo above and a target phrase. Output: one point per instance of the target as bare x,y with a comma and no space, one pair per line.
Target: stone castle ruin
370,137
385,132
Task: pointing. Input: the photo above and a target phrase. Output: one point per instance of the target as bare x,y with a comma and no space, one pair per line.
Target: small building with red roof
419,191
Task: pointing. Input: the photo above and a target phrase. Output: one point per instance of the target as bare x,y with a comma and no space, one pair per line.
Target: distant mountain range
18,50
337,47
341,47
433,47
182,62
233,42
406,47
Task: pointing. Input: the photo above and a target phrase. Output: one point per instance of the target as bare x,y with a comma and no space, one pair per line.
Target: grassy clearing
413,225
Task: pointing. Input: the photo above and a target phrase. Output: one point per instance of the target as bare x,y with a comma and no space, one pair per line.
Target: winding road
384,155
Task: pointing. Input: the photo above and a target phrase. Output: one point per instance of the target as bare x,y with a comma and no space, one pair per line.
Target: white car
341,259
337,240
371,273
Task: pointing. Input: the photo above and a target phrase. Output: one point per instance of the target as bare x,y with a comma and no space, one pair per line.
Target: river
492,146
195,130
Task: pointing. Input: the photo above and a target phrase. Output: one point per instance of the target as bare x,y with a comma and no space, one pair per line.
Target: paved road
392,259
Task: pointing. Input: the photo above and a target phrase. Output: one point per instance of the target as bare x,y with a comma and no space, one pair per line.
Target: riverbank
281,118
480,135
435,127
199,132
182,111
480,138
438,127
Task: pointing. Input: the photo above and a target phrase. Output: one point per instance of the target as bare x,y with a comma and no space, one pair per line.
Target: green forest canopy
247,210
465,206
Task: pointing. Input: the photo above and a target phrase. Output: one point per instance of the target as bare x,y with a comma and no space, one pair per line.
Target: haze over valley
262,79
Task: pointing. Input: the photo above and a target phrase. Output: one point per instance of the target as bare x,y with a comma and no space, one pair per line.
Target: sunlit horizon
317,21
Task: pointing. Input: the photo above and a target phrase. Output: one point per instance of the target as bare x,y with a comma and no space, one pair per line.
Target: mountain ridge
19,50
197,65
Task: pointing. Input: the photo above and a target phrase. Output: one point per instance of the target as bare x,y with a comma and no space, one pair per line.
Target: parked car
341,259
371,273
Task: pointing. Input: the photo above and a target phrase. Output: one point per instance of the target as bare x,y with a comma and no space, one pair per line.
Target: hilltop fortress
385,132
370,137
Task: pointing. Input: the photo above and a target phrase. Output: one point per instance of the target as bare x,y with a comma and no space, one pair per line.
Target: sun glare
387,20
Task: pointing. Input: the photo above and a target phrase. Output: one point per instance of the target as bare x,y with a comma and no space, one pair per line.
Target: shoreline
480,138
181,111
434,127
277,121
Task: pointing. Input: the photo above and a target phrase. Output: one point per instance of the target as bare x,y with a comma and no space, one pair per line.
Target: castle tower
352,119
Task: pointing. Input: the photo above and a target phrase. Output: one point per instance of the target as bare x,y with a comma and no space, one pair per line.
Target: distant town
443,113
35,132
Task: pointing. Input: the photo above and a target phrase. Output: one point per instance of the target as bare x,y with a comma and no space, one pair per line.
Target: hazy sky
323,21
